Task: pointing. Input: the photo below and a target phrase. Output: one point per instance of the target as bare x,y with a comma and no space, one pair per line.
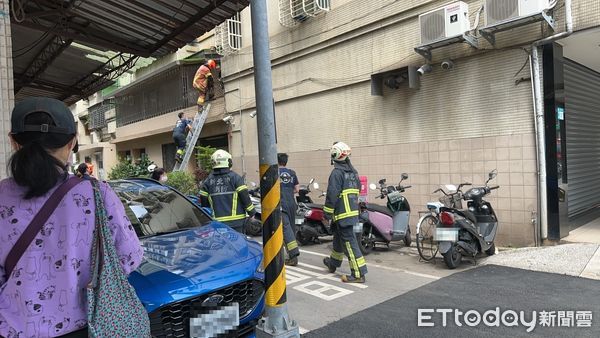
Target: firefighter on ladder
226,194
341,207
203,81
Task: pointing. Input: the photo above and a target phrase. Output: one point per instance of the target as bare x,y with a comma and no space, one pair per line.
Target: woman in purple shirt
45,295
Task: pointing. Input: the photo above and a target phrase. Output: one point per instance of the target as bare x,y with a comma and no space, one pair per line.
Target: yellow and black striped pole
276,321
272,235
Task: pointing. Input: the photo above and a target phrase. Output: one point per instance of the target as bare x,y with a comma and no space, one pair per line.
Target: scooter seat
379,208
467,214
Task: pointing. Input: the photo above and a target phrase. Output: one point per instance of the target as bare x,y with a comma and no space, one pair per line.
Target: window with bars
228,35
293,12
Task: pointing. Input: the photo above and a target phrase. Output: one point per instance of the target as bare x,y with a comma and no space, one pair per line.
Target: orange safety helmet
211,64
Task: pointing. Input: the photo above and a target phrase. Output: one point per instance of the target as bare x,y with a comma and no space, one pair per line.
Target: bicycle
427,245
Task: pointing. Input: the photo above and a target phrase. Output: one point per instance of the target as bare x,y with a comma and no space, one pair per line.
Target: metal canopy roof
45,34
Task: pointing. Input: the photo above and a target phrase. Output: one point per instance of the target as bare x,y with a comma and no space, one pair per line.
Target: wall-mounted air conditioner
498,11
444,23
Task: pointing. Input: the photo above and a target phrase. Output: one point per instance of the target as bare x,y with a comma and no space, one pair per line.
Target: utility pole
276,321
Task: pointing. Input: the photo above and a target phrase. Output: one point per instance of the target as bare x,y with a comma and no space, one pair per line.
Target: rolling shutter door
582,114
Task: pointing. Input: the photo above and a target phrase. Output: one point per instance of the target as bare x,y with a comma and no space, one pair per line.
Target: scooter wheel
492,250
302,240
453,257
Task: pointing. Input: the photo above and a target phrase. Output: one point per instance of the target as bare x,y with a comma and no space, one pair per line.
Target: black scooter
468,231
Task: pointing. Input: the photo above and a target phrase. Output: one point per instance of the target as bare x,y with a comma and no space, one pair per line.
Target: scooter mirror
450,187
404,176
493,174
311,181
373,186
316,185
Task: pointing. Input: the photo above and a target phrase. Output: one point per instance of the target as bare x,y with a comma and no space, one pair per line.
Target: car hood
192,262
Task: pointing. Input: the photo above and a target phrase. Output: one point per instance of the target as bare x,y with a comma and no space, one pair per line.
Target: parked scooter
311,227
385,224
468,231
254,224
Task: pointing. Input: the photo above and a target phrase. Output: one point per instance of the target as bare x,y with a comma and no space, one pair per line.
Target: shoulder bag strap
36,224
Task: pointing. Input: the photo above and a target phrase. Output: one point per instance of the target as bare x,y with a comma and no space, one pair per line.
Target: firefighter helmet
340,151
211,64
221,159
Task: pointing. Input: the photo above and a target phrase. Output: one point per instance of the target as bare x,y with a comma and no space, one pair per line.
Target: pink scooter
385,224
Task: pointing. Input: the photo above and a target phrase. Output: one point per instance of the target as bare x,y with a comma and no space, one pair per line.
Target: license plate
299,220
446,234
216,322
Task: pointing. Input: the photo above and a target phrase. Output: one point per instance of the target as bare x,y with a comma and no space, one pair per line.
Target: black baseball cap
58,111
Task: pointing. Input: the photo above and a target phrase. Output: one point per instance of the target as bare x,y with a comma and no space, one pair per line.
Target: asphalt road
575,302
399,284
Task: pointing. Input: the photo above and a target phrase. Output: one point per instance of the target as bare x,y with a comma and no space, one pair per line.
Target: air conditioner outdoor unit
443,23
497,11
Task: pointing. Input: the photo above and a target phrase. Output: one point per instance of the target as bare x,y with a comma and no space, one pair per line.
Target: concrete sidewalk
576,259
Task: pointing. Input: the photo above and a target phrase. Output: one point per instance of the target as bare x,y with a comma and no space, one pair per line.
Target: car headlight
260,268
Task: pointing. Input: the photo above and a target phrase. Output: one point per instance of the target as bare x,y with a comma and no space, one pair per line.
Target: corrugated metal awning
48,62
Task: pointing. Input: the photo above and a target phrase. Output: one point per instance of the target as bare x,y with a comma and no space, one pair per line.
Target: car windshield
156,209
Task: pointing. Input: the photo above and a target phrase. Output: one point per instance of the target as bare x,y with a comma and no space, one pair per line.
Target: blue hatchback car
195,269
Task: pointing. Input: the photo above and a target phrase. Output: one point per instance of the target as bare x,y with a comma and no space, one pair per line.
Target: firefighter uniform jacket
341,203
226,194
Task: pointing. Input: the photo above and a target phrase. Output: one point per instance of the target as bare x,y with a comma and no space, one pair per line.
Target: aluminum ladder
192,137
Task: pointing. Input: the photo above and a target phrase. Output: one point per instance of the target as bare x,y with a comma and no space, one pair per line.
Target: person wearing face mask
158,174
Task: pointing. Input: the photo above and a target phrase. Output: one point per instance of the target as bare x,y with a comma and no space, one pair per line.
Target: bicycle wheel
426,244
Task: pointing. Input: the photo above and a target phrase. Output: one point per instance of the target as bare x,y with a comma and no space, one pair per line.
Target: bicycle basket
453,201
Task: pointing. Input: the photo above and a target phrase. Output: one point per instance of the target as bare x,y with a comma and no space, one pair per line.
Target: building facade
455,126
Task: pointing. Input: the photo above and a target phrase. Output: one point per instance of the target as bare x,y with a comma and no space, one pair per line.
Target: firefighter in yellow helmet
341,207
226,194
203,80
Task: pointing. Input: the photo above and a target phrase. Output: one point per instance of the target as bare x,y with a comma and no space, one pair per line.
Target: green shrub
128,169
203,155
182,181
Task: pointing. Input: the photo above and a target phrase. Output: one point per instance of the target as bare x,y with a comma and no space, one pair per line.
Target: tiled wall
431,164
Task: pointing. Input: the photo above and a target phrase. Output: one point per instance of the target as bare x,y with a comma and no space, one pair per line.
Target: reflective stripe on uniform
234,204
338,256
230,218
241,187
292,245
328,210
352,259
345,215
361,262
250,207
203,193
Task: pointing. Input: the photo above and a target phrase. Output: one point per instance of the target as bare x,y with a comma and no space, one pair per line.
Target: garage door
582,111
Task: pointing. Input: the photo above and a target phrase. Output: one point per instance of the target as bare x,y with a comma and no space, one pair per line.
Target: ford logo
213,300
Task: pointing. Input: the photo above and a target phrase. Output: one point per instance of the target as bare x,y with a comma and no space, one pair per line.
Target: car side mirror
316,186
372,186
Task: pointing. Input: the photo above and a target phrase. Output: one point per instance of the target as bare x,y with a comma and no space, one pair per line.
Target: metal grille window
166,92
293,12
97,114
228,35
